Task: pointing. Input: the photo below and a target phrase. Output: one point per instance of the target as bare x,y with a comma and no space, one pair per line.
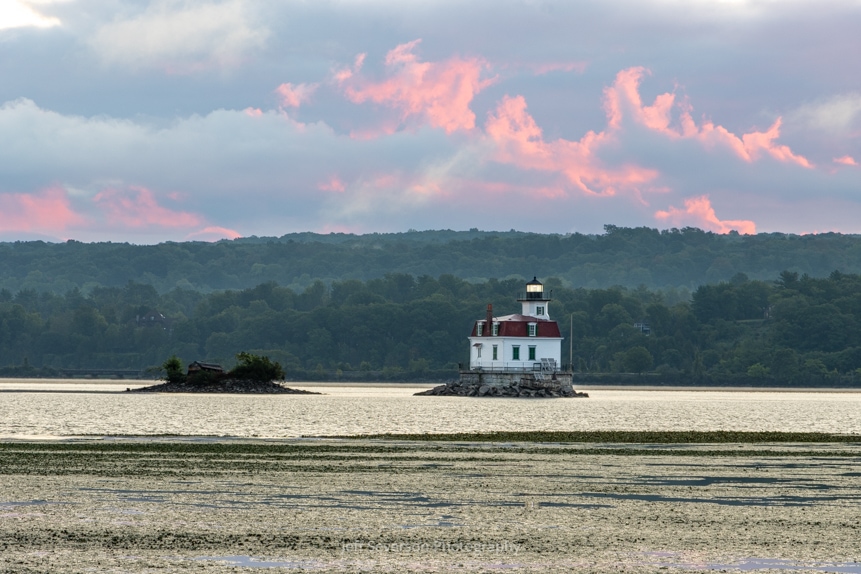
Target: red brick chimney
488,325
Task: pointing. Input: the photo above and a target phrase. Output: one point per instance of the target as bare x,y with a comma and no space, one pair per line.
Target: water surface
68,408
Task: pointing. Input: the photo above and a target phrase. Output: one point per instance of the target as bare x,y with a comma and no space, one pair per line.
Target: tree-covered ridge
678,258
794,329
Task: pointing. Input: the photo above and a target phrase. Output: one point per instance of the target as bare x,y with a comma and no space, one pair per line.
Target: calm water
73,408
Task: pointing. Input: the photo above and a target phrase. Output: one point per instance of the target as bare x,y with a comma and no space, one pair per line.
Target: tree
710,302
612,315
788,279
638,359
173,370
758,371
256,368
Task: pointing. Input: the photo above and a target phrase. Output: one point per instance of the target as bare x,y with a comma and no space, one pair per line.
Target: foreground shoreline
701,502
536,438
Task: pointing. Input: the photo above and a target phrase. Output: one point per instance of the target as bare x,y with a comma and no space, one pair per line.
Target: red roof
517,326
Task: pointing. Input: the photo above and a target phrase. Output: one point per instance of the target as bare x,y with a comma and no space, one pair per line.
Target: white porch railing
517,367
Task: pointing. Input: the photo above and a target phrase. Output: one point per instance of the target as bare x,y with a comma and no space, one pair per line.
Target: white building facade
519,342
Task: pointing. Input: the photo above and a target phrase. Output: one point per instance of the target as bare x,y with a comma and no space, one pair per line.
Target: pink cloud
253,112
386,129
334,183
624,96
520,142
137,207
623,99
294,96
386,180
213,233
47,212
546,68
345,74
845,160
756,142
698,212
481,189
438,93
429,187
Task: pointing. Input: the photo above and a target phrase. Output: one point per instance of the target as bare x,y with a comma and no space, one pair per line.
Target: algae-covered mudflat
623,502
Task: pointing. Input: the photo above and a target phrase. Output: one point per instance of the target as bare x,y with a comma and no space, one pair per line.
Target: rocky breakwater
233,386
526,387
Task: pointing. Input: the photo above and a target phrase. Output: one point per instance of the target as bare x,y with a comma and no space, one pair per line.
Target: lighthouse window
531,353
479,327
495,357
532,329
495,329
539,310
515,353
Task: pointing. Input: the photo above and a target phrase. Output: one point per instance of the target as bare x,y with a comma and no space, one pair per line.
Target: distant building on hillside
153,319
643,328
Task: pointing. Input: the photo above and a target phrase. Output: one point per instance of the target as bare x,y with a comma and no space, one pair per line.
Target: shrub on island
256,368
173,371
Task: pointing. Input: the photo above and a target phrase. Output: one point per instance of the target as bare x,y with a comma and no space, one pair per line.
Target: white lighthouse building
526,341
516,355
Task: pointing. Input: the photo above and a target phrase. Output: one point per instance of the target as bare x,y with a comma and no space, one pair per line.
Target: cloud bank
204,119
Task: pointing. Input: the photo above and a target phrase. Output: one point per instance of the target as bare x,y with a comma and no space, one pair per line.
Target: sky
174,120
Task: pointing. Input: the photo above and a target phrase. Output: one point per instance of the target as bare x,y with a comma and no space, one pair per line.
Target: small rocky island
252,374
527,387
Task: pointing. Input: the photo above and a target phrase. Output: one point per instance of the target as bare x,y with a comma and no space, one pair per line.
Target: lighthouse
517,355
528,341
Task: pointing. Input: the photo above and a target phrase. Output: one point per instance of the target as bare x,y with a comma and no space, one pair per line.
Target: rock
527,387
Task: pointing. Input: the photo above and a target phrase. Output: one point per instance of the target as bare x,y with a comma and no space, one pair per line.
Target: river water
68,408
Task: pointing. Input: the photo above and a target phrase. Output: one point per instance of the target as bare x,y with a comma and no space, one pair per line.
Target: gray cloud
181,37
179,98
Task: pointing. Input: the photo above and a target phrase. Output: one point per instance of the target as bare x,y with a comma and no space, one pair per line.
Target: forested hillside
677,259
792,329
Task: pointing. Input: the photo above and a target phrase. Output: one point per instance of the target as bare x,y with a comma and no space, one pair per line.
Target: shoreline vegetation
610,442
627,437
794,331
681,307
391,440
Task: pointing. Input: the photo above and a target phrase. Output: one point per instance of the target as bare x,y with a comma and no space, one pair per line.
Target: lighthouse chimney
489,324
